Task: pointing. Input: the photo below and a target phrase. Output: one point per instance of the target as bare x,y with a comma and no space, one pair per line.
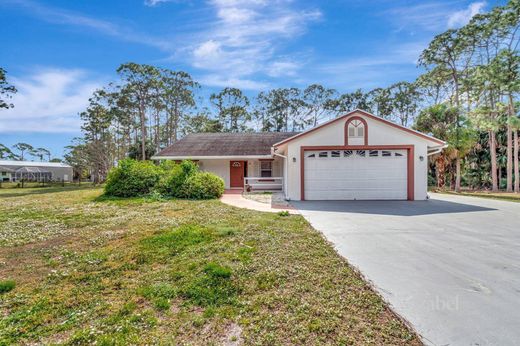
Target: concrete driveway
450,265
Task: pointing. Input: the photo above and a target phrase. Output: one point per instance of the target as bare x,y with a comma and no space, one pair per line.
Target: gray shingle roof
225,144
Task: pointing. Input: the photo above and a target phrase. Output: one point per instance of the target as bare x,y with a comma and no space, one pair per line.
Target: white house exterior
357,156
5,174
55,171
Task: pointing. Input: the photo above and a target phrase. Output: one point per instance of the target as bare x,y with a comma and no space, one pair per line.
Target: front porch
263,184
247,173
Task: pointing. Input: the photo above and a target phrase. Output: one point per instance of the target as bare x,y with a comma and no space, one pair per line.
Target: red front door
236,173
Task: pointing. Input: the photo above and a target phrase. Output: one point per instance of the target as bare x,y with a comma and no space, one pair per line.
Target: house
357,156
37,171
5,173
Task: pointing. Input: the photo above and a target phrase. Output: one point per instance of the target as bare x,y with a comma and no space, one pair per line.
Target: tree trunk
143,132
457,174
493,153
517,169
509,168
157,132
457,129
440,163
512,142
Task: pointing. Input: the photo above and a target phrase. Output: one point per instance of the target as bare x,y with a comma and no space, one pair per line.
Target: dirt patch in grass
178,272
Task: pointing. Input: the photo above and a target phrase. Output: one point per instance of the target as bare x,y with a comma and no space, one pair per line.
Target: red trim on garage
365,131
410,161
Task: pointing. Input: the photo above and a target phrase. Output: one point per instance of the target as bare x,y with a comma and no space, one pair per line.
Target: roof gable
374,117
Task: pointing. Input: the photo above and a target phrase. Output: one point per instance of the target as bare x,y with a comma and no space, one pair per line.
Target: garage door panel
354,184
356,175
375,194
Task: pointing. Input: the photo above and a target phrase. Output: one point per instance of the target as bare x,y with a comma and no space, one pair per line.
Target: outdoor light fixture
294,159
421,158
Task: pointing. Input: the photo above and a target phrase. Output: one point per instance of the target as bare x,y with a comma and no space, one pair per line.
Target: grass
6,286
504,196
145,271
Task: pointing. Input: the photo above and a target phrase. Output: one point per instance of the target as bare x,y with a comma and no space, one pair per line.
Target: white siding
218,167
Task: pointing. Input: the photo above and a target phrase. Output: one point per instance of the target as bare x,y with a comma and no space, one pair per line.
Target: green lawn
504,196
88,269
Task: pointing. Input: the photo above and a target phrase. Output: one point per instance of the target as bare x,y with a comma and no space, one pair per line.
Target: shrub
171,181
6,286
140,178
132,178
175,176
203,185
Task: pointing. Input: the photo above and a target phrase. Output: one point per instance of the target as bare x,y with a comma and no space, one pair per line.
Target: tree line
22,151
466,95
149,108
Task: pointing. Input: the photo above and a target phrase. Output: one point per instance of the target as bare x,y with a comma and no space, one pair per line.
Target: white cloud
235,15
462,17
49,100
432,16
244,38
236,39
283,68
65,17
393,64
233,82
153,3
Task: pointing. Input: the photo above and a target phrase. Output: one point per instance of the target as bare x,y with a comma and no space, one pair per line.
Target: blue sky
57,52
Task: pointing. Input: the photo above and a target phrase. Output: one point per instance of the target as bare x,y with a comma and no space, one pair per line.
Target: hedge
139,178
132,178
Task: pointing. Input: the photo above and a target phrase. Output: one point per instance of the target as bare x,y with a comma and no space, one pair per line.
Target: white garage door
355,174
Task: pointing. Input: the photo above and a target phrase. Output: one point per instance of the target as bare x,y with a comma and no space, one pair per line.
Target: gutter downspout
286,169
438,150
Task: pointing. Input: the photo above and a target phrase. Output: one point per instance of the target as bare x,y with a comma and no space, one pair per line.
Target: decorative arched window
356,131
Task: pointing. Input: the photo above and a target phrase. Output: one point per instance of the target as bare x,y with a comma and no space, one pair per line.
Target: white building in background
35,171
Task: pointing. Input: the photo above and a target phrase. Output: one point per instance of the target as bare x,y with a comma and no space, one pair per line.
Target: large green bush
171,181
203,185
132,178
137,178
175,176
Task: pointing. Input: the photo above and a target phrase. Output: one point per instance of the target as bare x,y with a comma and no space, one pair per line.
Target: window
361,153
311,155
334,154
323,154
356,129
398,154
266,169
347,153
386,153
373,153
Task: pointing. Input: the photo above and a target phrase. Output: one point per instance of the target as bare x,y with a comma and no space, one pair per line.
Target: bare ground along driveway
450,265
